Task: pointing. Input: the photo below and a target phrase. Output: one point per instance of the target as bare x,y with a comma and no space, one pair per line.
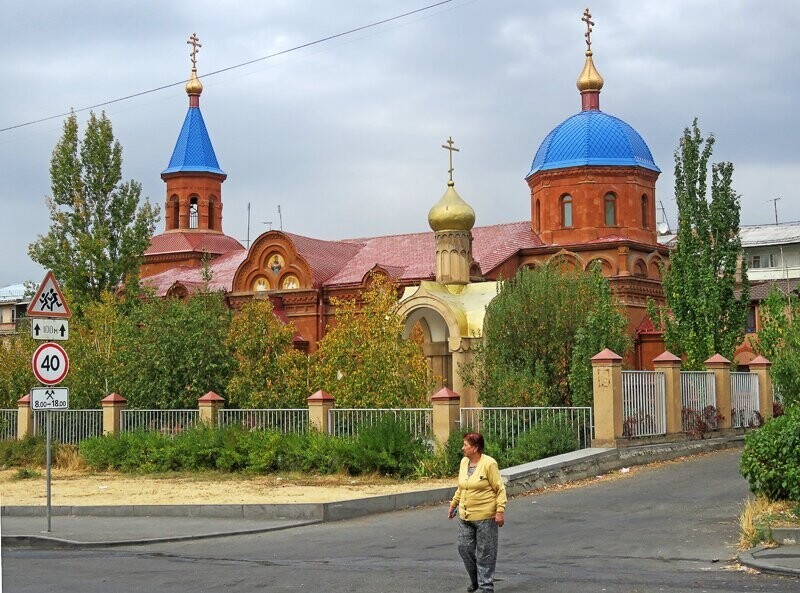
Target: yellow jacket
482,494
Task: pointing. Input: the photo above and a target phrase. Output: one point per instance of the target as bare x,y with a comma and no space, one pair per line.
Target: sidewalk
783,559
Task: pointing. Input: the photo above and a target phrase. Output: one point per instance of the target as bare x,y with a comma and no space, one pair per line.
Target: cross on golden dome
587,18
449,146
194,41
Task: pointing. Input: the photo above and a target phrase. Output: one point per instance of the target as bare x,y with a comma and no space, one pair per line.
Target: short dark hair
475,439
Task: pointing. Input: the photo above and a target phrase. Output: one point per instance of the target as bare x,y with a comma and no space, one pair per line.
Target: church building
592,195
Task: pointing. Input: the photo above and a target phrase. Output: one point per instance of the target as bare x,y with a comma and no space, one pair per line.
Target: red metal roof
197,241
404,257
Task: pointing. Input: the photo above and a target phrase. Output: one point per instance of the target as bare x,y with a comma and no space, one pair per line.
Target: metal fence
698,399
69,427
644,408
348,421
744,400
8,425
508,424
294,420
164,421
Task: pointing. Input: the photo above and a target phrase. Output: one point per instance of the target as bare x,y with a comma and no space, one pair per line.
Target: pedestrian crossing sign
48,300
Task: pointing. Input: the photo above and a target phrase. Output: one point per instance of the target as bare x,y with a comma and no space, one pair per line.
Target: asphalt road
669,529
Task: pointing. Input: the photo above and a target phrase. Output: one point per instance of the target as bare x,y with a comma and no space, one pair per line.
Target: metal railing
644,407
509,423
288,420
744,400
8,424
69,427
164,421
348,421
698,397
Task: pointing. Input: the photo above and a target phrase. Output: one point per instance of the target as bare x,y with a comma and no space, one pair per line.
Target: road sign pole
47,415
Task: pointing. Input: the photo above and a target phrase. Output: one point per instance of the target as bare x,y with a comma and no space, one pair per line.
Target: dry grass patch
759,516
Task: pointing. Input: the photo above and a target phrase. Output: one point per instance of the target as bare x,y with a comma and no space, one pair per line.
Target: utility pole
775,207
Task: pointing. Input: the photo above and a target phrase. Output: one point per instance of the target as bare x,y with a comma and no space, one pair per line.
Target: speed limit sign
50,363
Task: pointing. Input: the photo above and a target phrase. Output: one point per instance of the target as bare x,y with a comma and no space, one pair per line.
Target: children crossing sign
48,300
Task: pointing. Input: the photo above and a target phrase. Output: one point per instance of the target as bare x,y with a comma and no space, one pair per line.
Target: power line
240,65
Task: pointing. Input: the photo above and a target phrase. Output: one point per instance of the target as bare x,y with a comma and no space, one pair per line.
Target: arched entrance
432,328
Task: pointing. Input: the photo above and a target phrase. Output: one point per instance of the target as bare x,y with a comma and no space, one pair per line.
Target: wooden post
670,365
721,367
209,406
24,417
318,405
113,404
446,415
760,366
607,380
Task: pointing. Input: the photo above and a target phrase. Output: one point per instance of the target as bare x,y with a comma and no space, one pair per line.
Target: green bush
551,437
444,462
30,451
771,458
386,447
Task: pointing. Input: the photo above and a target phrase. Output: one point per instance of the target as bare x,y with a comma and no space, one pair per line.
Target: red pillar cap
606,355
445,393
211,397
759,361
113,398
25,399
667,356
320,396
717,359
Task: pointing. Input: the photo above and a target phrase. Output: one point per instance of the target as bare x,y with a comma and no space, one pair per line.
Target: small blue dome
592,137
193,151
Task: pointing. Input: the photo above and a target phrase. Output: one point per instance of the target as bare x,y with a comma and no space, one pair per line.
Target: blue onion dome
592,137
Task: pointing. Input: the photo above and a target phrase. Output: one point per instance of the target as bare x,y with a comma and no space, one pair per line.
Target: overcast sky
345,136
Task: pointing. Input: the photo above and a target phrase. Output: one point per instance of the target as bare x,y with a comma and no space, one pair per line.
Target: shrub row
387,448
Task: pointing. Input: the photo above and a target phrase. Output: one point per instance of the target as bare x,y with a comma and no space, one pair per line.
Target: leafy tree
16,376
540,333
364,361
779,340
703,314
172,351
94,351
269,372
98,230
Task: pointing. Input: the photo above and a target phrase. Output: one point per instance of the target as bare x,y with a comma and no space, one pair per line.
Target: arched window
611,209
174,211
644,211
211,204
566,210
537,216
193,214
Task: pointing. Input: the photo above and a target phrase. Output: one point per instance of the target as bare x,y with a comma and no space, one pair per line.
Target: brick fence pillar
721,367
24,417
446,414
113,404
760,366
210,404
607,383
318,405
670,365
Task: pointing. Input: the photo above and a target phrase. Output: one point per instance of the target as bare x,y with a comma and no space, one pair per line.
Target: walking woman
480,502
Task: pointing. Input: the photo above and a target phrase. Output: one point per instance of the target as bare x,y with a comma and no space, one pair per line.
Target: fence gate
644,406
744,400
698,399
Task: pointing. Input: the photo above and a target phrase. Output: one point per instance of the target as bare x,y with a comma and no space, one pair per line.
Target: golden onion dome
194,86
451,213
590,79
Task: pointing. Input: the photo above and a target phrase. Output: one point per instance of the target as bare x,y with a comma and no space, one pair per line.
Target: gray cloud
345,136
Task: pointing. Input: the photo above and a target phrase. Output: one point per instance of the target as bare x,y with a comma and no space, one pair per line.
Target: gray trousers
477,544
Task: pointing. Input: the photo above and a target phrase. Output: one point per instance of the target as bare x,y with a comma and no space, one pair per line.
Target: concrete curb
748,558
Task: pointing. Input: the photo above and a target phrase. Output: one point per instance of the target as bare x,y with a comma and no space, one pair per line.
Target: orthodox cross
449,146
587,18
194,41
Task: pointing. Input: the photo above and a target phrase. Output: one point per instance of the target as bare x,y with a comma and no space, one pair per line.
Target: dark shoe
472,588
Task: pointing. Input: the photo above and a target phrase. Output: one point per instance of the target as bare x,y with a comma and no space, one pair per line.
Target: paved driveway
666,529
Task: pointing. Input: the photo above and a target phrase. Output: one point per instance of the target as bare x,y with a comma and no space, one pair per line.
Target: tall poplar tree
704,316
99,230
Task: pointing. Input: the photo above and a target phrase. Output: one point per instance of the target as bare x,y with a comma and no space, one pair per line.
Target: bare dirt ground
69,487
